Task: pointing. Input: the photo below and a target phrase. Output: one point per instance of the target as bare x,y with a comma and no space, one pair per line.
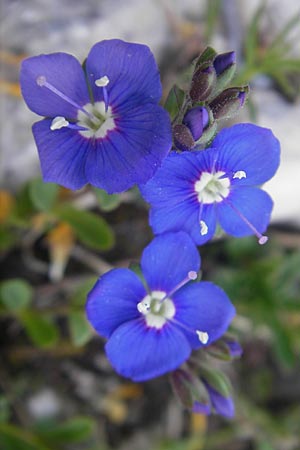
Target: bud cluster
203,389
196,113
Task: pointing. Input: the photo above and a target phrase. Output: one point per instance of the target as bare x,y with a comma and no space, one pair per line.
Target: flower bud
221,404
190,391
196,119
224,62
229,102
182,137
225,348
203,82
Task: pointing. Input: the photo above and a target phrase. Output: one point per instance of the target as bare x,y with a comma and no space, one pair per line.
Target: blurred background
57,390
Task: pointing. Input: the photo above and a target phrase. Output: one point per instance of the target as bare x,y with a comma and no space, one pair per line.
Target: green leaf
40,329
16,294
15,438
91,230
107,202
282,343
252,36
43,195
4,409
78,299
80,330
174,101
74,430
283,33
7,238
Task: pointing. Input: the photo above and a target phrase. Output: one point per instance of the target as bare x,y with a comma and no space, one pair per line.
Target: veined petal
141,353
62,154
113,300
61,70
204,307
183,216
248,148
255,204
173,182
132,72
167,260
132,152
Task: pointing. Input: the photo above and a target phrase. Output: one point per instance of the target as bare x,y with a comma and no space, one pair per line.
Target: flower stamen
239,174
103,82
58,123
42,82
262,239
192,275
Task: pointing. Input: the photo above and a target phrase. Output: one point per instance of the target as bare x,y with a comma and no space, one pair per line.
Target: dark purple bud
196,119
234,348
221,404
203,82
182,137
229,102
224,61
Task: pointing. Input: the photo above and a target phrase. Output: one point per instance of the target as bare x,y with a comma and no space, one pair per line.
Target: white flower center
99,123
211,187
156,312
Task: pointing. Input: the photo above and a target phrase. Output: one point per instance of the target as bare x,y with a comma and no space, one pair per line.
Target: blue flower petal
132,152
62,154
113,300
61,70
249,148
167,260
132,72
173,199
141,353
204,307
222,405
254,203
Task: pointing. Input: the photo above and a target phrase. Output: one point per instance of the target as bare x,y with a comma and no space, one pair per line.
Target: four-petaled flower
103,124
152,330
193,191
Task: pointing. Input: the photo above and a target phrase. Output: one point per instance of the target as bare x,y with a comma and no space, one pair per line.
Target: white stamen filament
192,275
42,82
58,123
262,239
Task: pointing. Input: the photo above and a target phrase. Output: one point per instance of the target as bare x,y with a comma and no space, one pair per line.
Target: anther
58,123
143,307
102,82
203,228
239,174
203,336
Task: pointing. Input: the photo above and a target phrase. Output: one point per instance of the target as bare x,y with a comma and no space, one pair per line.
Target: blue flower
152,330
103,124
193,191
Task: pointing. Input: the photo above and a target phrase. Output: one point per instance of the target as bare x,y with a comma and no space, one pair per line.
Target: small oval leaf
16,294
90,229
